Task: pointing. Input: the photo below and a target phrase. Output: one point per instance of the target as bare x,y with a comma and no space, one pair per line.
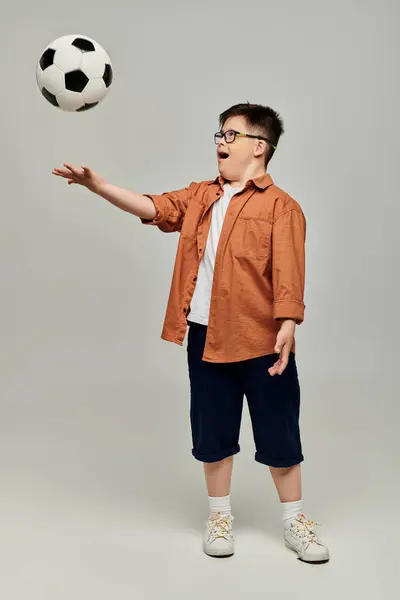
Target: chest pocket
253,238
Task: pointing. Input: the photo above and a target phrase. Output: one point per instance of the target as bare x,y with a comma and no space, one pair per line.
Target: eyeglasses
230,136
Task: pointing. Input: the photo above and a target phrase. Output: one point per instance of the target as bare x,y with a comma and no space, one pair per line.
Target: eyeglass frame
219,135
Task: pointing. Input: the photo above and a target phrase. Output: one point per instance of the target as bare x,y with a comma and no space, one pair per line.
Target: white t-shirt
200,305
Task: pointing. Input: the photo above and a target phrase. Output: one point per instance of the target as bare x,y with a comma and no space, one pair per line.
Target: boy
238,284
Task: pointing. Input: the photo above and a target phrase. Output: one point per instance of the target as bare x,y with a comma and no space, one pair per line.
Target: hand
283,346
83,176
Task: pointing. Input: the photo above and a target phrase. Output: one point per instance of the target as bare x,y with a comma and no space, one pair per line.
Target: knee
218,463
283,471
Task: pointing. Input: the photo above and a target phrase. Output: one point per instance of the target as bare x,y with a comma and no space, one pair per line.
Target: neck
252,172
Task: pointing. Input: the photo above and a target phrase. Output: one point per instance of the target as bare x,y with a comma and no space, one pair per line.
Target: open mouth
222,155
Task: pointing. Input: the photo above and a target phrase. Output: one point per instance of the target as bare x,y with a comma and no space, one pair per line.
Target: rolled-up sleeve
288,265
170,210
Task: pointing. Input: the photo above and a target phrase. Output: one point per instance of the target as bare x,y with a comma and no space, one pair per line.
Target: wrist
100,188
288,323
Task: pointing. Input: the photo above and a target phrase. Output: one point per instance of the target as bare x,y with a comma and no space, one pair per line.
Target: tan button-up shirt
259,268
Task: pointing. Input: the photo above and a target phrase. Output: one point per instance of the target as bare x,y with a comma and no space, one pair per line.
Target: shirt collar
261,182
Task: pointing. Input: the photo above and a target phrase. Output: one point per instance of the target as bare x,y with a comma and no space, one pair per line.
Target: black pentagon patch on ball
50,97
75,81
47,58
83,45
108,75
87,106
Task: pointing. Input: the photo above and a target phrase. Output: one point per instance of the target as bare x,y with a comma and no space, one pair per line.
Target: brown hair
263,120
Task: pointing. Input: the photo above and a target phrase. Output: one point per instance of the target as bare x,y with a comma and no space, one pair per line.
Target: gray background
100,497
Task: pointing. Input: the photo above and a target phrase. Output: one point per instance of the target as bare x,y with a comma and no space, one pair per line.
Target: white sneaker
218,537
301,537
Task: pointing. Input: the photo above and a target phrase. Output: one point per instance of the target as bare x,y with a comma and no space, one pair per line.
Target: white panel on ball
39,76
68,58
70,101
62,42
53,80
94,91
93,64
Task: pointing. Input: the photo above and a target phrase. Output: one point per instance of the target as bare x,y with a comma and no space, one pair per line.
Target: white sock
220,505
291,510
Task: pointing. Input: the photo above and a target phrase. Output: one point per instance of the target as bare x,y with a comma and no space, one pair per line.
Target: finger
275,368
87,172
284,358
278,345
73,169
62,172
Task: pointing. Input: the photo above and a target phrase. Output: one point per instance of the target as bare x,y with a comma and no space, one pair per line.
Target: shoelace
221,527
304,529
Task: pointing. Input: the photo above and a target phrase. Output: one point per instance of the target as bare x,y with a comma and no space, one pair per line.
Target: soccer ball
74,73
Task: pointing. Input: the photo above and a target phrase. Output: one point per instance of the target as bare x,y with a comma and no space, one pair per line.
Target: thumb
278,346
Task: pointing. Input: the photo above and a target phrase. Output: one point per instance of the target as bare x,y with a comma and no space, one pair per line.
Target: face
237,158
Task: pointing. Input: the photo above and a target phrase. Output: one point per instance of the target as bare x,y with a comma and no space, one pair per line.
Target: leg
288,485
287,482
274,404
216,403
218,477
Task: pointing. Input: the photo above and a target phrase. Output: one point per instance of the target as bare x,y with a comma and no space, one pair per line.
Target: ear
260,148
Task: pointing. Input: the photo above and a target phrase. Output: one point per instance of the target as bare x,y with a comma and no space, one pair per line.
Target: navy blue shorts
217,391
